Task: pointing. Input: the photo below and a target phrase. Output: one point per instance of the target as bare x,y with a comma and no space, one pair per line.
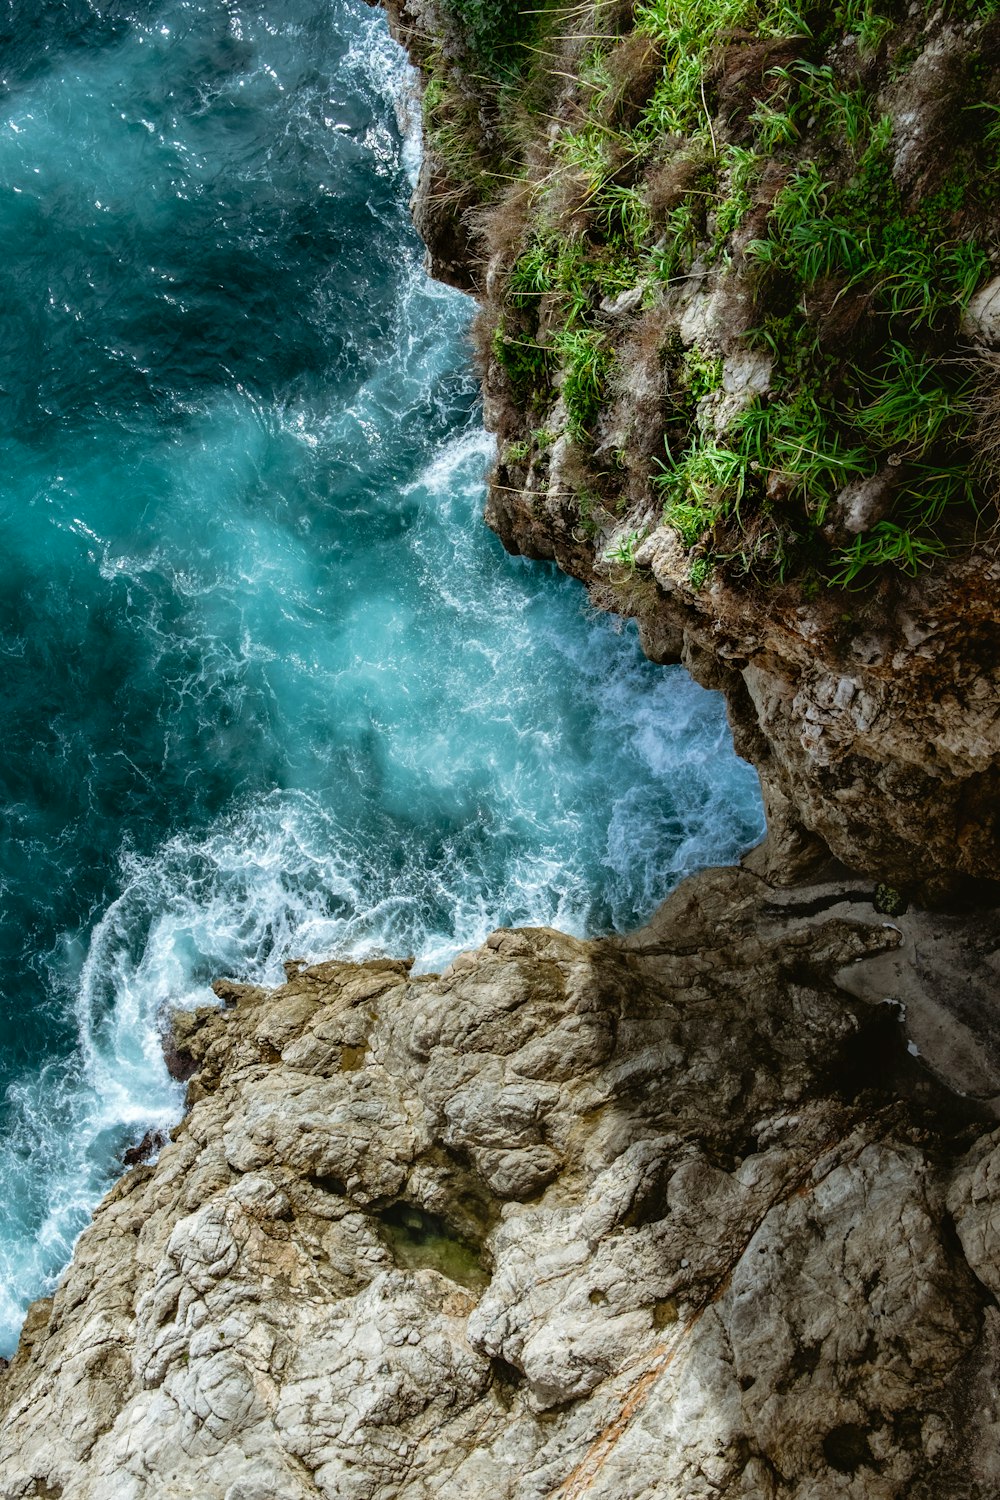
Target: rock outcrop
653,330
668,1216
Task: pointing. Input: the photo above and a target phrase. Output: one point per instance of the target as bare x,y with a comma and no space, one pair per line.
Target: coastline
689,1212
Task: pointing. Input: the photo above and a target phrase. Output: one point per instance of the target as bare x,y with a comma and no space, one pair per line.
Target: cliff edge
740,344
669,1216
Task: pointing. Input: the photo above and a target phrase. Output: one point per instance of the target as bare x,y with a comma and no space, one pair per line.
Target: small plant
807,240
701,373
492,32
516,453
586,360
689,521
886,545
623,214
589,527
889,901
552,266
763,556
587,153
531,276
799,439
741,165
859,18
707,484
775,127
623,552
525,363
932,489
673,257
913,406
844,112
433,97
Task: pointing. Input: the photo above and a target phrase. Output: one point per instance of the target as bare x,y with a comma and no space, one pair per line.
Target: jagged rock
152,1142
654,1217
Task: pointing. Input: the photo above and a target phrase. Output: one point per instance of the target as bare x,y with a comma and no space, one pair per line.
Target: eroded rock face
872,714
874,724
622,1218
873,719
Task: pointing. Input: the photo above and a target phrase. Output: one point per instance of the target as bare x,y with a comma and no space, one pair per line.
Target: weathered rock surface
663,1216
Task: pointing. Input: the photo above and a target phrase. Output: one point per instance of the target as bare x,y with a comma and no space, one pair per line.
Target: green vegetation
623,553
586,362
743,165
688,32
525,362
886,544
913,404
670,164
859,19
491,31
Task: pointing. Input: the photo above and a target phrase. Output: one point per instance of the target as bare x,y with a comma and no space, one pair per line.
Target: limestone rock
665,1216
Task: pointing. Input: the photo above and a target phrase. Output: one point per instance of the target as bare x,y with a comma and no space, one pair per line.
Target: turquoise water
271,688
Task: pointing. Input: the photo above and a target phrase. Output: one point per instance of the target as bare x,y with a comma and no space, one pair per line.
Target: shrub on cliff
490,31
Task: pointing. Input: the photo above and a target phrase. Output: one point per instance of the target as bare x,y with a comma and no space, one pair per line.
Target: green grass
839,234
672,258
557,267
623,215
741,167
886,545
623,553
861,19
774,127
527,364
701,373
862,230
493,33
798,438
586,362
843,113
705,485
915,404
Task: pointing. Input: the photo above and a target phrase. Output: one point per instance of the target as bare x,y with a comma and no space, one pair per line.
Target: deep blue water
270,687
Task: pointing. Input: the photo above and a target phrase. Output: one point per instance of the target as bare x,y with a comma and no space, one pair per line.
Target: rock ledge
670,1216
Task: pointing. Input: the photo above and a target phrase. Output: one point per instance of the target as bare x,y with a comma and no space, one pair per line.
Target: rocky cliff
695,1212
669,1216
740,342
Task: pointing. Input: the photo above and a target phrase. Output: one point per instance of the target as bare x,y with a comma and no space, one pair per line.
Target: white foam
479,692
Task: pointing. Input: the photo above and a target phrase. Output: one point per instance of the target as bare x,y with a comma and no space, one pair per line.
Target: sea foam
274,690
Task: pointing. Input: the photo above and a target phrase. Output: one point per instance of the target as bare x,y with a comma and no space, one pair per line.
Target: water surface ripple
271,687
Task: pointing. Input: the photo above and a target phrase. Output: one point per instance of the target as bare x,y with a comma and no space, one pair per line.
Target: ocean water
270,687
